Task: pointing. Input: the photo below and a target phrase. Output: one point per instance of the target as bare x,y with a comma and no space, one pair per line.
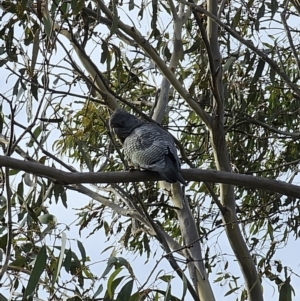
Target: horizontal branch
193,174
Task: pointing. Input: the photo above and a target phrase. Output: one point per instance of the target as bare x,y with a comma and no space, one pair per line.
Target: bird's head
123,123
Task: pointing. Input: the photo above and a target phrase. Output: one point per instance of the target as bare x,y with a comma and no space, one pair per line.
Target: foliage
66,65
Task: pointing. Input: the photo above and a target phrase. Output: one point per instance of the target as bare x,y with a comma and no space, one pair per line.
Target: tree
227,91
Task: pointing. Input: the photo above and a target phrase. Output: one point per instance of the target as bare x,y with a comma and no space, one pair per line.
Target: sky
95,244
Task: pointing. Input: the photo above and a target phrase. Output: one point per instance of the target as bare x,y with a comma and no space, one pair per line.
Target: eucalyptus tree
221,77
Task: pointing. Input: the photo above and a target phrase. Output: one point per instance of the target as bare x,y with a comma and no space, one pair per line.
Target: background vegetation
221,76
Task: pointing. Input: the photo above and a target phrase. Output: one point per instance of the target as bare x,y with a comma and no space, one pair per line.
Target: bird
147,146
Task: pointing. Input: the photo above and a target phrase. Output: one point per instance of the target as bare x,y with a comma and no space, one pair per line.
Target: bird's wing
147,146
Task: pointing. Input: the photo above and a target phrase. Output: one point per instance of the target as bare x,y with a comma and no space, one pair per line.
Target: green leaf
231,291
285,293
115,20
58,191
111,261
64,7
47,25
82,251
68,261
47,219
168,292
63,197
131,5
184,290
2,50
19,261
123,262
9,45
60,259
106,228
86,155
77,8
249,4
258,72
3,242
20,192
274,7
154,18
104,53
24,4
39,267
110,287
35,50
13,172
16,87
166,278
34,89
36,134
137,296
236,18
1,120
27,247
141,12
229,62
2,210
113,285
261,11
73,3
3,62
125,291
106,249
194,47
28,181
98,291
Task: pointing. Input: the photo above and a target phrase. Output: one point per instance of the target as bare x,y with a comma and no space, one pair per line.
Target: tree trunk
227,197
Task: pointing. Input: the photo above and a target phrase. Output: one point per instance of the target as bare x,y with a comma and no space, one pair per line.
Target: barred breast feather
147,145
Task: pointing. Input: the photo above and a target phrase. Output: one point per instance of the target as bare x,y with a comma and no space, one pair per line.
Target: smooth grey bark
188,228
193,174
218,141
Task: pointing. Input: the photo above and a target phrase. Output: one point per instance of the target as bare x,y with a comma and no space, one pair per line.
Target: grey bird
146,145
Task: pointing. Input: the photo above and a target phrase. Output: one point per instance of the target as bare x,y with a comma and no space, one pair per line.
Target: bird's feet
133,168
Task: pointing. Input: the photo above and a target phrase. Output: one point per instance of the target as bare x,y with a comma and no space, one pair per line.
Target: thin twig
8,196
9,224
288,33
215,198
260,53
213,71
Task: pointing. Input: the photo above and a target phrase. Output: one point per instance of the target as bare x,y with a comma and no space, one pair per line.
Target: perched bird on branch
146,145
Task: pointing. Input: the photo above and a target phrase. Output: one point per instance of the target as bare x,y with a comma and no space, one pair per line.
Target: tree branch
144,44
288,34
294,135
198,175
260,53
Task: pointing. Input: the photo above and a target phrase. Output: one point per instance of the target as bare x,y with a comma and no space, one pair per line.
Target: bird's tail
171,173
181,179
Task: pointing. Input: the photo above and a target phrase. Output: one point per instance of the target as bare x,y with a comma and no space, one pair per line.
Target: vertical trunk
230,221
221,156
185,217
190,237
